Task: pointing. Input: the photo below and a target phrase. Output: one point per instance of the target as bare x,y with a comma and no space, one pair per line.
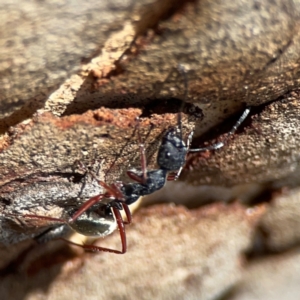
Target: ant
96,218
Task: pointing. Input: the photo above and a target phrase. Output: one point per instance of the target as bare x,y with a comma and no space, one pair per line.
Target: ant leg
176,176
214,146
231,132
84,207
183,72
240,121
121,228
113,191
132,175
128,214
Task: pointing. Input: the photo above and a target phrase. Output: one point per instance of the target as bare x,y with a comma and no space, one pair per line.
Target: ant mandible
95,218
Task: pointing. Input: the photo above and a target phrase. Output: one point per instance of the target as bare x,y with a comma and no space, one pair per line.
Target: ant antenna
181,69
230,133
183,72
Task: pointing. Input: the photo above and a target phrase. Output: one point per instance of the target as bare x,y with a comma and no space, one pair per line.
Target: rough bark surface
74,78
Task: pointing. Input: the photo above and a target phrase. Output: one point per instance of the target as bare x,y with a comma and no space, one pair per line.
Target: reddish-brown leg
172,176
112,191
84,207
121,228
128,214
135,177
120,224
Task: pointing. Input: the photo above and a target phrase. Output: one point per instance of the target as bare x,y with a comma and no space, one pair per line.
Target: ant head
97,221
172,151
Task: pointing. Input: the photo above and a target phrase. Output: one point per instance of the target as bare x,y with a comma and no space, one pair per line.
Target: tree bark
74,80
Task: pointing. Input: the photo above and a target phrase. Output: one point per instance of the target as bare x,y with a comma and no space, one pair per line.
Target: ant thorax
154,181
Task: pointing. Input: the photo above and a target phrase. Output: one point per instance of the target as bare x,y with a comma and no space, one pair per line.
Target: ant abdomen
98,222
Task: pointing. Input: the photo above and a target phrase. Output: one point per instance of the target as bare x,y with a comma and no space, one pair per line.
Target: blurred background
73,78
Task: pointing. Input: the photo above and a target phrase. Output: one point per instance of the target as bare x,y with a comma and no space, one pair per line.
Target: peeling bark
73,80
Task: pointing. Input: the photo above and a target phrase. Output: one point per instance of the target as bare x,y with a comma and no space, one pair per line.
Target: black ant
95,218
